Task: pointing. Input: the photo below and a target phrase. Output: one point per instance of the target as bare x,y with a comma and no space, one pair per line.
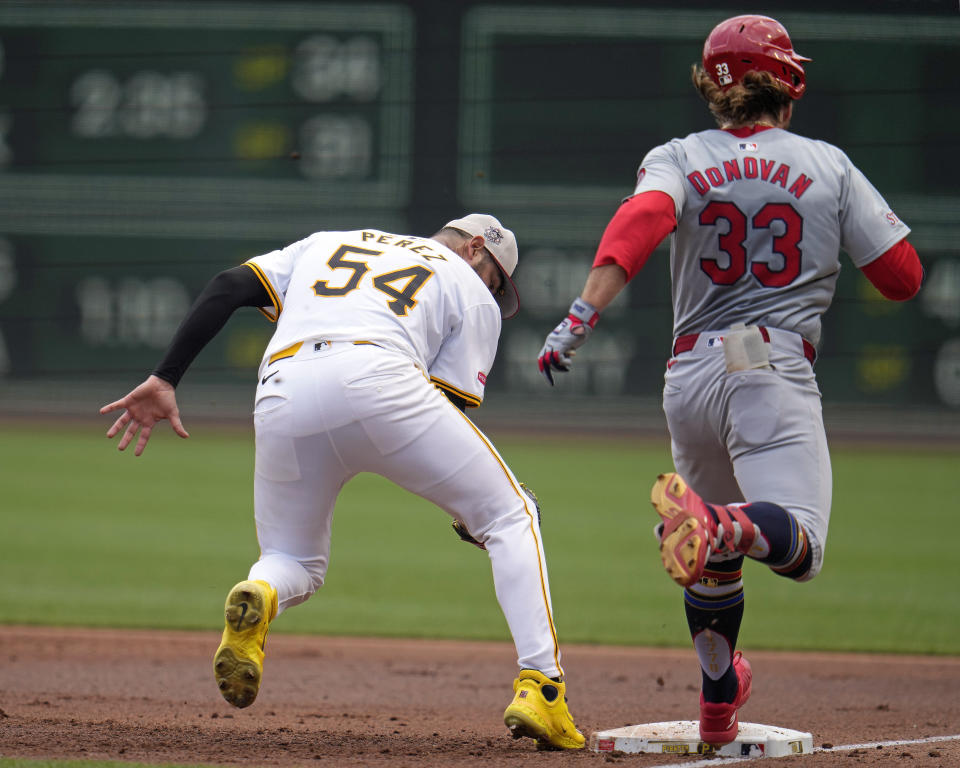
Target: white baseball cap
502,245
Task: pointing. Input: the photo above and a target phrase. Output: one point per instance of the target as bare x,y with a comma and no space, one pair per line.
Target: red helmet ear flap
743,43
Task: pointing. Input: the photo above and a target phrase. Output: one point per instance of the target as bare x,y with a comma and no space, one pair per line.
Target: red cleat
691,533
718,720
689,529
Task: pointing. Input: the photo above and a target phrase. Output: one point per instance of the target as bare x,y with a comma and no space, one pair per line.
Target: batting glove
563,341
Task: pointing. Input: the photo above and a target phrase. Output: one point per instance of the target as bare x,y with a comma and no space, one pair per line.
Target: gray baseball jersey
761,221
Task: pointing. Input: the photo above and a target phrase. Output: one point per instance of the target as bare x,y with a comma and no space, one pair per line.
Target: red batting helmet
742,43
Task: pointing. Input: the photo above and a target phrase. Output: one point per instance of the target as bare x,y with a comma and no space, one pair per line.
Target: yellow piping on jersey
525,499
290,351
284,353
274,298
472,400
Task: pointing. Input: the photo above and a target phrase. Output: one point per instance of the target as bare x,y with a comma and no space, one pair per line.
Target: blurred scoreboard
145,146
196,102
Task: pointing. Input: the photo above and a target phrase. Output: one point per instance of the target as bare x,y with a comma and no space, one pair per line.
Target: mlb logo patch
747,146
715,341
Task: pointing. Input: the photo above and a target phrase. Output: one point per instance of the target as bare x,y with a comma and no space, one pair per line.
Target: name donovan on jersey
750,167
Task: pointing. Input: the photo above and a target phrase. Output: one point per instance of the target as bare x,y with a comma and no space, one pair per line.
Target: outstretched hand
152,401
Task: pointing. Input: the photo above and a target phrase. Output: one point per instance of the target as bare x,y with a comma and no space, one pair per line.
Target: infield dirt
143,696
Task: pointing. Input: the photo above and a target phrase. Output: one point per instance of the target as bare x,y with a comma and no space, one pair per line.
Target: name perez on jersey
750,168
416,246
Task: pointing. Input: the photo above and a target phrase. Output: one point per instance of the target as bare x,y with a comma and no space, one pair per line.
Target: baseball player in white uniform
759,216
381,341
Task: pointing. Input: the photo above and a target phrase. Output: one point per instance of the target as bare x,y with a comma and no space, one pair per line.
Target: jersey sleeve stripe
472,400
274,298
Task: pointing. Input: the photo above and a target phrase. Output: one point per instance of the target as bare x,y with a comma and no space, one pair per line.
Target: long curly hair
758,95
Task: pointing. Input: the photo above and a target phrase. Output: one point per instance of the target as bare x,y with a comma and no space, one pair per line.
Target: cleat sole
680,551
238,680
522,726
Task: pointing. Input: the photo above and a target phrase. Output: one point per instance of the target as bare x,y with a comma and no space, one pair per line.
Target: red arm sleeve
897,274
635,230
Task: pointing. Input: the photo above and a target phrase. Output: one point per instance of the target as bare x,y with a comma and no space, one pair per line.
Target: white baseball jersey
408,294
760,224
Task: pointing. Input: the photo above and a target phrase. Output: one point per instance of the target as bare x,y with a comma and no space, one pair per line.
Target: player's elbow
897,274
904,294
905,288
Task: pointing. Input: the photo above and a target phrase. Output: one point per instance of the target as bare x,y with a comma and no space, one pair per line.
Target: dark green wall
145,146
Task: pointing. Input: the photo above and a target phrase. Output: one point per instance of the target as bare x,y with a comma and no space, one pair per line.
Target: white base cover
682,737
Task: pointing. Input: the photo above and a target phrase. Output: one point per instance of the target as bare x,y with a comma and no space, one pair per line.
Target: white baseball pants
336,409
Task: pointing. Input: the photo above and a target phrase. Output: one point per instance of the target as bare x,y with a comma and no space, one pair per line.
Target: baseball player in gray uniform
759,216
382,341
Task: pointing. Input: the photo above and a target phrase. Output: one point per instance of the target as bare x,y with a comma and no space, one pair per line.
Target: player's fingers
119,424
545,370
558,361
131,432
115,405
178,425
142,440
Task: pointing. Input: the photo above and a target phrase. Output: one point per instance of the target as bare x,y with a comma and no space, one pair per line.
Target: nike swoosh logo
268,376
242,614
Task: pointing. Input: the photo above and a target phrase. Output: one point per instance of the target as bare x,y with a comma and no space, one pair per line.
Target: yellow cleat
238,662
539,711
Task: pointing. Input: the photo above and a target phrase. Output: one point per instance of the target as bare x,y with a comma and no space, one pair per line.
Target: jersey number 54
401,285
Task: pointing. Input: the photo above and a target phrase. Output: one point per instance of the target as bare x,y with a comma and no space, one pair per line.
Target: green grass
97,538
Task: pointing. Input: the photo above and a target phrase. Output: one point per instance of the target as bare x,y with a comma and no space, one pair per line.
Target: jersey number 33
733,243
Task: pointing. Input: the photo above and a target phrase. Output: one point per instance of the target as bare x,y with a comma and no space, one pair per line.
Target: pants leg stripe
533,522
